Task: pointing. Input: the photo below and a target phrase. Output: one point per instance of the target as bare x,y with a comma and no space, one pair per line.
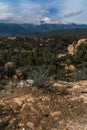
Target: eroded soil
35,109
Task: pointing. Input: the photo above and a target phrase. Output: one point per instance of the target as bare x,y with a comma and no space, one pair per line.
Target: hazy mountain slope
23,29
14,29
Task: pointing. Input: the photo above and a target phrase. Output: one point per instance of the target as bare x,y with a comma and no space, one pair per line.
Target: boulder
70,67
9,65
30,82
22,84
15,77
19,74
26,83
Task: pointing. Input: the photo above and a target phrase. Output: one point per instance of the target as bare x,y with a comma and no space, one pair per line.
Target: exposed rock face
73,47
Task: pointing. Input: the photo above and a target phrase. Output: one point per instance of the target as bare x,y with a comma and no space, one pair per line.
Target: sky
49,11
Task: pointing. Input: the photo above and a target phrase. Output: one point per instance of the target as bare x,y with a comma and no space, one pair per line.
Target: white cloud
5,11
74,11
72,14
28,11
46,20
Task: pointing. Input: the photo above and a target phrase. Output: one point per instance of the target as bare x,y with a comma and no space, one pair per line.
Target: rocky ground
62,106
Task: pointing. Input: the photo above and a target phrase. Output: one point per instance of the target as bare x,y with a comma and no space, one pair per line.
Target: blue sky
50,11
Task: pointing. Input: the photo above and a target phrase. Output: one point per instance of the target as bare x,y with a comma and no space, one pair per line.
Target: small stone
54,129
23,128
55,113
0,121
30,124
76,87
65,129
21,124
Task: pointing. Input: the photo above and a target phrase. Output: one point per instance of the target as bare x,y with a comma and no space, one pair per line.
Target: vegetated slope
48,104
46,56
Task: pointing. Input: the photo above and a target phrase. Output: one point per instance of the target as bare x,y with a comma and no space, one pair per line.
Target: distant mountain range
25,29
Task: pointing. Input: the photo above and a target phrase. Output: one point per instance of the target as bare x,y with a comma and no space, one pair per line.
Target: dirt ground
36,109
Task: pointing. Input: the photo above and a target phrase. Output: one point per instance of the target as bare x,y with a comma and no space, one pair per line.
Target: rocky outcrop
11,38
61,55
73,47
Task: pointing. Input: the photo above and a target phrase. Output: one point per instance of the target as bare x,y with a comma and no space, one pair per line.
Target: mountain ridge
25,29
